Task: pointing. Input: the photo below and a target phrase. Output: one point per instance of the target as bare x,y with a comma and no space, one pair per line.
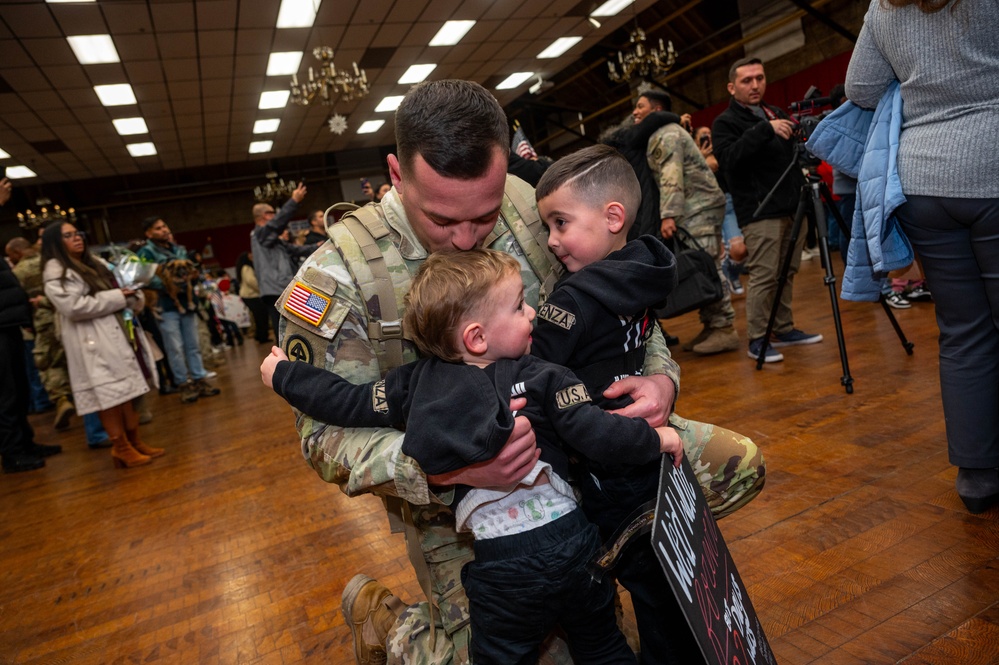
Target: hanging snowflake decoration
337,123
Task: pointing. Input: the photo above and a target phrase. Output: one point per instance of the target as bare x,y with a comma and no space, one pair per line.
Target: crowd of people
493,339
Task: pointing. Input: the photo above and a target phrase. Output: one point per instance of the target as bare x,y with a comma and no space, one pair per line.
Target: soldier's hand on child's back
669,443
270,362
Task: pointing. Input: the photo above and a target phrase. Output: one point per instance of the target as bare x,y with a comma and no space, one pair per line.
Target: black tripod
816,192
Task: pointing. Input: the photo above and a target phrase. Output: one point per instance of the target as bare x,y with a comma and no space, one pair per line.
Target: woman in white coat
108,356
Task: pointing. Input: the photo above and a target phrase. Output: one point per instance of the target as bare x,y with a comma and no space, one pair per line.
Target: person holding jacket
949,129
110,362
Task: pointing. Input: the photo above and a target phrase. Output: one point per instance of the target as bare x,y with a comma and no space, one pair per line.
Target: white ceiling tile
144,72
216,42
185,69
127,18
136,47
80,19
256,41
177,44
50,51
173,17
12,54
217,14
30,20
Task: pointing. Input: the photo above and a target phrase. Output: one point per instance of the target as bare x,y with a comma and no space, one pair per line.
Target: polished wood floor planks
231,550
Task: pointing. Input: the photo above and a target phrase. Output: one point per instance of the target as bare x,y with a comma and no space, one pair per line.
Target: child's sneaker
897,300
732,271
919,294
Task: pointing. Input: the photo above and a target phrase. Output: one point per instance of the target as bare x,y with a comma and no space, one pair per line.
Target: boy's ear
473,336
614,212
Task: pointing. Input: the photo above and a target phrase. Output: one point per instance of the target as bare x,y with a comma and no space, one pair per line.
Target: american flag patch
306,304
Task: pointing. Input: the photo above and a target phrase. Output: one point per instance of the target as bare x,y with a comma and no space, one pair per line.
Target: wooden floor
230,550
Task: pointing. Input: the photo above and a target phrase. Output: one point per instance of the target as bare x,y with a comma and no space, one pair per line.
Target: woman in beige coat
108,355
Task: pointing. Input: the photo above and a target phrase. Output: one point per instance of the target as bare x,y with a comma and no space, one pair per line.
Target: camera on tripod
808,113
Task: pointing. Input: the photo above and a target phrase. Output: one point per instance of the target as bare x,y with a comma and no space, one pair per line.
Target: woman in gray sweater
946,56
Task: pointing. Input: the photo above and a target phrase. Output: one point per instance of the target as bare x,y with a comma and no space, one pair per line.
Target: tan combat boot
64,411
719,341
370,610
701,336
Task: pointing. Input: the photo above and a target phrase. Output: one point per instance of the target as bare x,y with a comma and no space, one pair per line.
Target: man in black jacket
754,144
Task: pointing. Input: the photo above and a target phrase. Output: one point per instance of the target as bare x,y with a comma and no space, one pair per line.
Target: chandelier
29,221
328,84
652,62
275,189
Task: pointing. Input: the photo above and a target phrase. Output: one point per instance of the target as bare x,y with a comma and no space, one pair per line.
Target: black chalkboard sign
703,576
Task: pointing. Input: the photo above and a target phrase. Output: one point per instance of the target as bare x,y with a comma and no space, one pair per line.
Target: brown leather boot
149,451
125,456
370,610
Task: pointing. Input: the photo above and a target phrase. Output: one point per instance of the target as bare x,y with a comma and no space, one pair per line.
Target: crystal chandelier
275,189
647,62
29,221
328,84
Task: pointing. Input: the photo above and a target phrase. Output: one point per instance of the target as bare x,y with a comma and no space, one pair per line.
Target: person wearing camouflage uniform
455,197
690,199
48,354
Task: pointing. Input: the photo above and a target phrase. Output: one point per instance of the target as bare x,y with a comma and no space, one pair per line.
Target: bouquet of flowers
131,271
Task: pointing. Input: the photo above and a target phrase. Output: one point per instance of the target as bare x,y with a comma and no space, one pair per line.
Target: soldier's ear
395,172
615,215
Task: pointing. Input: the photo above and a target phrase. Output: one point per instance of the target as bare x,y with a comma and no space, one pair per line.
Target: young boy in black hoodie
466,313
595,322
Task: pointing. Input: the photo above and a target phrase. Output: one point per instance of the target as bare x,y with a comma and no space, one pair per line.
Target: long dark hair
93,272
243,260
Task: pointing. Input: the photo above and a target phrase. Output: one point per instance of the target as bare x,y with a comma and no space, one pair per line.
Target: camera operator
754,144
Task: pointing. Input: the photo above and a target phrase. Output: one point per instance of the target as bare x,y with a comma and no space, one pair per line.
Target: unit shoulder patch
379,403
571,396
298,349
557,316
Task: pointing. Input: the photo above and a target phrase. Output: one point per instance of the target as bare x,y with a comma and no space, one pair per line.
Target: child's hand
669,443
270,362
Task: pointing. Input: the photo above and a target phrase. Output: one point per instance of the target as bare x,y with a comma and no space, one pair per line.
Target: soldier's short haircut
741,62
597,175
454,125
148,222
449,288
660,98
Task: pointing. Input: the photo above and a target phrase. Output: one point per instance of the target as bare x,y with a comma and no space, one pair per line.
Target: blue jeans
39,399
180,337
94,428
958,242
521,586
730,225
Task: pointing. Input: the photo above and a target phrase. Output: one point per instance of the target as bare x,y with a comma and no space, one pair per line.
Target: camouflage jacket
29,274
686,184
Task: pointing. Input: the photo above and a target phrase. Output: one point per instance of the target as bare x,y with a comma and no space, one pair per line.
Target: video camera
807,114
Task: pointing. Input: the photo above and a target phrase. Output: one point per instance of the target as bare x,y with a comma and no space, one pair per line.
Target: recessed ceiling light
297,13
15,172
417,73
559,46
129,126
389,104
274,99
370,126
93,49
266,126
513,80
611,7
4,154
56,2
451,33
141,149
118,94
283,64
261,146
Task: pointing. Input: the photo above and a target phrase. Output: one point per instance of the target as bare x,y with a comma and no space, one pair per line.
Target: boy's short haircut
741,62
447,289
598,175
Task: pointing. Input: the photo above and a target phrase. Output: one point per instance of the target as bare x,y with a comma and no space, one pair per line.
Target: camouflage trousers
729,468
705,226
49,356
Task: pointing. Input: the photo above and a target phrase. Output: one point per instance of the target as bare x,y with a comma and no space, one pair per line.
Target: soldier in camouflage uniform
690,198
50,359
448,195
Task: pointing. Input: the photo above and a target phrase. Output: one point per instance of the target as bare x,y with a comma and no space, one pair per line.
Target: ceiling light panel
17,172
297,13
274,99
129,126
451,33
559,46
266,126
513,80
118,94
284,64
611,7
261,146
370,126
390,103
417,73
4,154
141,149
93,49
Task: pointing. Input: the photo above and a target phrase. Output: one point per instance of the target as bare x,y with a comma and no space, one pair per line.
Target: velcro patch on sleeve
379,403
571,396
557,316
308,304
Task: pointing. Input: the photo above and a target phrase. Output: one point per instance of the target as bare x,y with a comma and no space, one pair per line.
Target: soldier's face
450,214
749,85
